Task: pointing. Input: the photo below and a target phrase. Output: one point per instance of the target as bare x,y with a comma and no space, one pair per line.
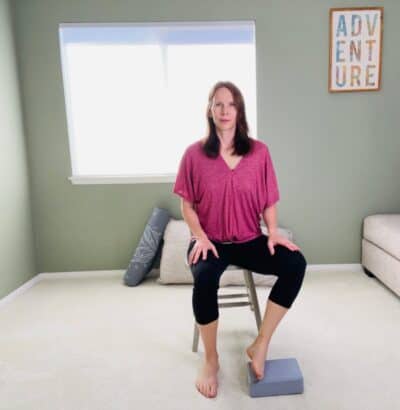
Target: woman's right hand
201,247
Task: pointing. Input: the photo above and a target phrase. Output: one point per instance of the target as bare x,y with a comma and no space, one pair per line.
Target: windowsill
122,179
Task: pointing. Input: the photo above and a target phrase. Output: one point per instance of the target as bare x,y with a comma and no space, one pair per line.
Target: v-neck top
228,202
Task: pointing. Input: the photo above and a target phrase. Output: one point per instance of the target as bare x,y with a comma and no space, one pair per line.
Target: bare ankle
211,358
262,339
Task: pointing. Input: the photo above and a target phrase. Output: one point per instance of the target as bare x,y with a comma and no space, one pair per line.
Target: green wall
336,155
16,240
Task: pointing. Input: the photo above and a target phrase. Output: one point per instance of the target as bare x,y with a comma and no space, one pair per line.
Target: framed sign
355,49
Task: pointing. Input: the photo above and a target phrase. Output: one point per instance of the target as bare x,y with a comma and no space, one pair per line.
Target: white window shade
136,95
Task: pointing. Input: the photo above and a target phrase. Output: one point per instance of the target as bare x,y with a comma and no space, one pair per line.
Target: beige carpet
92,343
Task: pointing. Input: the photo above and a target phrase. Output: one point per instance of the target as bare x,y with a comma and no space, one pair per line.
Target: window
136,94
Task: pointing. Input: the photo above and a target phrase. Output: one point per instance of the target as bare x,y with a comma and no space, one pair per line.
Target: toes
207,390
260,376
200,388
257,372
213,391
203,390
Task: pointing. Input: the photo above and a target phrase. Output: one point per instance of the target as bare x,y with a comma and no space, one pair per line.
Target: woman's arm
191,218
271,219
203,244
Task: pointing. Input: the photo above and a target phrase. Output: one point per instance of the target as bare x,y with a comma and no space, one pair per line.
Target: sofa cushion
383,230
173,268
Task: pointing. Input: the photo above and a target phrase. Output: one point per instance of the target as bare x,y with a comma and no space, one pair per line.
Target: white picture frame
355,51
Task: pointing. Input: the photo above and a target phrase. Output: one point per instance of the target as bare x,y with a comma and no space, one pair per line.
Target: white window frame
125,179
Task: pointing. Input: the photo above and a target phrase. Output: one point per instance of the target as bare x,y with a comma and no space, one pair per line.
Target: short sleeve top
228,202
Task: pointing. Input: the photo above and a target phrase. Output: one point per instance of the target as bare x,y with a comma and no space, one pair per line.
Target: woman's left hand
276,239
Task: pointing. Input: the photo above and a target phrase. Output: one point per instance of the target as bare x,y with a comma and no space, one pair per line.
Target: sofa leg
367,272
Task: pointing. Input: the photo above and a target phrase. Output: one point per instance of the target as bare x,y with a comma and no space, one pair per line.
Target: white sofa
381,249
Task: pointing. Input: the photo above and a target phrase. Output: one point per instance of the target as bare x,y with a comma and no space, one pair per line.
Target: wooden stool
251,300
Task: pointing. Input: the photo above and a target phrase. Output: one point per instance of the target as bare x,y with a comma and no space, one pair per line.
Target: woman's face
223,110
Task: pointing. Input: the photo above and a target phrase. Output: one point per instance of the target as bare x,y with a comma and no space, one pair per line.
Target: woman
226,182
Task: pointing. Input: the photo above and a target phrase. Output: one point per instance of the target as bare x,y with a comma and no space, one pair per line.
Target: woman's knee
204,276
290,279
295,262
298,266
299,262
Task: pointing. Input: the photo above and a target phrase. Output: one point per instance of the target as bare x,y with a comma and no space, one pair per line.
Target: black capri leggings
253,255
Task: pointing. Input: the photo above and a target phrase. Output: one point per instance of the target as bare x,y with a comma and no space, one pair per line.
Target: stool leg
195,338
253,296
248,285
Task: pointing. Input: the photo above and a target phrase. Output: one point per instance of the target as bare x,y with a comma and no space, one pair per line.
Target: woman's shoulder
194,146
194,149
259,146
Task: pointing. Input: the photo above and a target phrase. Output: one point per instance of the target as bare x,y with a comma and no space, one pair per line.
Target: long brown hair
241,142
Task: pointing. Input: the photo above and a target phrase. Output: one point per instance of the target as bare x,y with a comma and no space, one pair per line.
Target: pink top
228,202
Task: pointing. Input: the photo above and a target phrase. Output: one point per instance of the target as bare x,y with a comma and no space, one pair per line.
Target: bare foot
257,352
207,383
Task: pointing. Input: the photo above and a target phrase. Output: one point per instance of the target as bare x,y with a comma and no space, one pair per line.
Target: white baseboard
19,291
333,267
80,274
348,267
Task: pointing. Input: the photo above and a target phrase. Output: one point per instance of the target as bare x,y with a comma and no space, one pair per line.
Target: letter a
341,27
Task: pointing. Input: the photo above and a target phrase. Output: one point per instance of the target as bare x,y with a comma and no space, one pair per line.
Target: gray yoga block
282,376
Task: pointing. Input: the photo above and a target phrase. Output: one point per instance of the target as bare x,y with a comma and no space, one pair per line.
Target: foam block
282,376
